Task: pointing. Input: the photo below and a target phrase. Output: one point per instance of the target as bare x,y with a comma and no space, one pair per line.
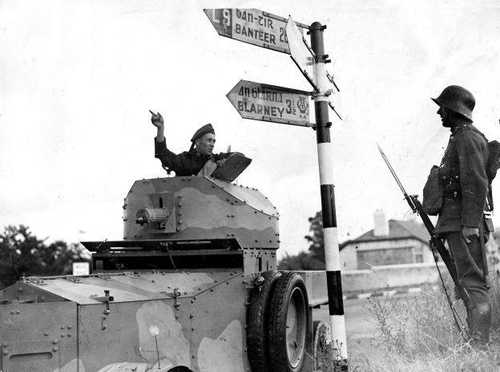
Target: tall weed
418,333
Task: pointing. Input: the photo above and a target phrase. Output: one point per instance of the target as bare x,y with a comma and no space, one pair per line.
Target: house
390,242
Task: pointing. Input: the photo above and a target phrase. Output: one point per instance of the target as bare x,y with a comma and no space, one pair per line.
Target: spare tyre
257,316
288,323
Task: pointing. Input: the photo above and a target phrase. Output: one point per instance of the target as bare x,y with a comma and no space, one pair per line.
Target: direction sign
304,58
251,26
270,103
302,55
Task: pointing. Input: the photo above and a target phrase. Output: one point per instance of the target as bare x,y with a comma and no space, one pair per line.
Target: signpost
251,26
288,106
266,102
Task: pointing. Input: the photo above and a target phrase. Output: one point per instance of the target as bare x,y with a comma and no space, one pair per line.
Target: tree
315,238
301,261
22,253
314,259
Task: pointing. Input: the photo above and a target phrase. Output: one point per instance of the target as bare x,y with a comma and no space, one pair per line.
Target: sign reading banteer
251,26
270,103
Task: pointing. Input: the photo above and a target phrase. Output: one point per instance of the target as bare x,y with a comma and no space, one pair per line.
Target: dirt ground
360,326
366,353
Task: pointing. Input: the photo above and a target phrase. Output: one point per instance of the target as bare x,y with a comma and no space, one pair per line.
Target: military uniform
188,163
464,180
465,185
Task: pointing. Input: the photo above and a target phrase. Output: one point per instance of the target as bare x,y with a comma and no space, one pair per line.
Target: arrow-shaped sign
252,26
301,54
270,103
305,59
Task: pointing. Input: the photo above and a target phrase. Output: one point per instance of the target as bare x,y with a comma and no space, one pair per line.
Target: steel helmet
457,99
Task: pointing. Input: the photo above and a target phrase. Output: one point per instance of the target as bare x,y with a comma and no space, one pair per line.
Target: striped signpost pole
289,106
325,160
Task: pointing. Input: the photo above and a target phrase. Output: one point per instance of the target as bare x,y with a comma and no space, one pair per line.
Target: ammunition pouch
433,193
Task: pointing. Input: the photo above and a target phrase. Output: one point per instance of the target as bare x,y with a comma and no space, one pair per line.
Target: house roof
398,229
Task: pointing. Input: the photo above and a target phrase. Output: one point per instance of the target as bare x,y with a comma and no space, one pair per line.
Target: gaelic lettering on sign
270,103
251,26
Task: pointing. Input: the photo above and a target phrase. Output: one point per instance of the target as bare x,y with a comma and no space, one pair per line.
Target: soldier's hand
469,232
157,119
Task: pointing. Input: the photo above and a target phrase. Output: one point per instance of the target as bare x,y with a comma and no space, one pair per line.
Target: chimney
381,225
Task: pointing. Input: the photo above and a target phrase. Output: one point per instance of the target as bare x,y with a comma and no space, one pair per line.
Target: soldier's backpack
433,190
492,167
433,193
493,160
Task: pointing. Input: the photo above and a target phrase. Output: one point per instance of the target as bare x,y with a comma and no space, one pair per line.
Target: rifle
436,244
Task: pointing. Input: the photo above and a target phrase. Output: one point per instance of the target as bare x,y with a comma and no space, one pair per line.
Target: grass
418,334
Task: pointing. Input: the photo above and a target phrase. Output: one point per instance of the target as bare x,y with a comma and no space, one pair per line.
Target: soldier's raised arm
169,160
157,121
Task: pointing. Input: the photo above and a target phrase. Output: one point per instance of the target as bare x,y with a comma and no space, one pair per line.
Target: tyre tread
277,319
257,315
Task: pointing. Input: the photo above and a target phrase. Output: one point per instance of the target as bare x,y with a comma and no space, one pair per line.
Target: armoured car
192,286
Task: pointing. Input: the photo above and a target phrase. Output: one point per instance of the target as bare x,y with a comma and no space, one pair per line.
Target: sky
77,80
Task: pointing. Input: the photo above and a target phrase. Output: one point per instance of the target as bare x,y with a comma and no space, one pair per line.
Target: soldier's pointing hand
157,119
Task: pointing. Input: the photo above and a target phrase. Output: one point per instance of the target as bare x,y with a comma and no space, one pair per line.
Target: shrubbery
314,258
418,334
301,261
22,253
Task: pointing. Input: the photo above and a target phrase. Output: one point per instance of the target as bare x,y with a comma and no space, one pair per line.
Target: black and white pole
325,160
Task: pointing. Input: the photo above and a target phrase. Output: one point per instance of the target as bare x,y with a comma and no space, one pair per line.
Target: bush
301,261
419,334
22,253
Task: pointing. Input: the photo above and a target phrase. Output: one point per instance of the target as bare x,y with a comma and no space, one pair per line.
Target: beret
207,128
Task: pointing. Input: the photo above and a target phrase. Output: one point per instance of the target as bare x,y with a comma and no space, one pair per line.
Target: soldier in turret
199,160
464,186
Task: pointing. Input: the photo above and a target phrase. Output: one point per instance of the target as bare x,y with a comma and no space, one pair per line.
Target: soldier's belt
454,195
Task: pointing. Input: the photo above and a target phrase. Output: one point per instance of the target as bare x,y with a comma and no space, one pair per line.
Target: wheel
257,316
288,323
322,343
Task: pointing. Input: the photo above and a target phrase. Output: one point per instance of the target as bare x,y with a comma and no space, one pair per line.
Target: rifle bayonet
435,242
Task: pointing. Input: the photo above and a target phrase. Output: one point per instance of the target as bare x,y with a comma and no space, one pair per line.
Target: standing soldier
463,184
